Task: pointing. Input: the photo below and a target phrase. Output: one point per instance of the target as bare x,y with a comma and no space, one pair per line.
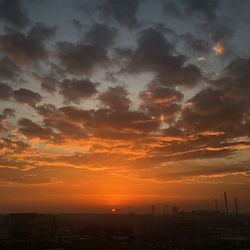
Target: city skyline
107,104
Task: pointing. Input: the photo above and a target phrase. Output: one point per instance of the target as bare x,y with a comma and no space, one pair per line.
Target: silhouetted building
31,226
175,210
153,209
216,205
4,229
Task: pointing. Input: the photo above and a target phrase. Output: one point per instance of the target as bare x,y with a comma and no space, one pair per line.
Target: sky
124,103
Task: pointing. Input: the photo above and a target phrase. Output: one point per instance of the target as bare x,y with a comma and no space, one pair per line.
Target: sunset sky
117,103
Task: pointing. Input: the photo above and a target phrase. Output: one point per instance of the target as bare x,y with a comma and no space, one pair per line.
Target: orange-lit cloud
218,49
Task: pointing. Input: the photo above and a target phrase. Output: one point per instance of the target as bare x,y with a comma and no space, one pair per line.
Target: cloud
75,90
72,113
42,32
81,58
156,94
26,48
155,54
123,12
100,123
186,8
68,121
234,80
206,8
2,123
32,130
122,123
27,96
49,84
200,171
220,35
196,45
11,145
5,91
116,98
214,25
210,109
87,6
108,35
21,95
13,13
161,101
8,70
8,112
23,174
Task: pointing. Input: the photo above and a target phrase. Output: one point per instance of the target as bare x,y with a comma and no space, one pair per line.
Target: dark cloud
77,24
68,121
5,91
234,81
8,70
26,48
170,8
196,45
40,2
155,54
211,110
75,90
103,123
123,12
33,130
13,13
211,23
27,96
116,98
42,32
206,8
81,58
186,8
161,101
49,84
220,32
46,110
111,77
87,6
8,112
2,123
107,34
106,123
16,146
156,94
3,120
67,128
76,114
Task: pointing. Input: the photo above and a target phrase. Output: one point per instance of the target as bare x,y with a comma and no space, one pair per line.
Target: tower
216,205
175,210
153,209
236,206
226,203
166,210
